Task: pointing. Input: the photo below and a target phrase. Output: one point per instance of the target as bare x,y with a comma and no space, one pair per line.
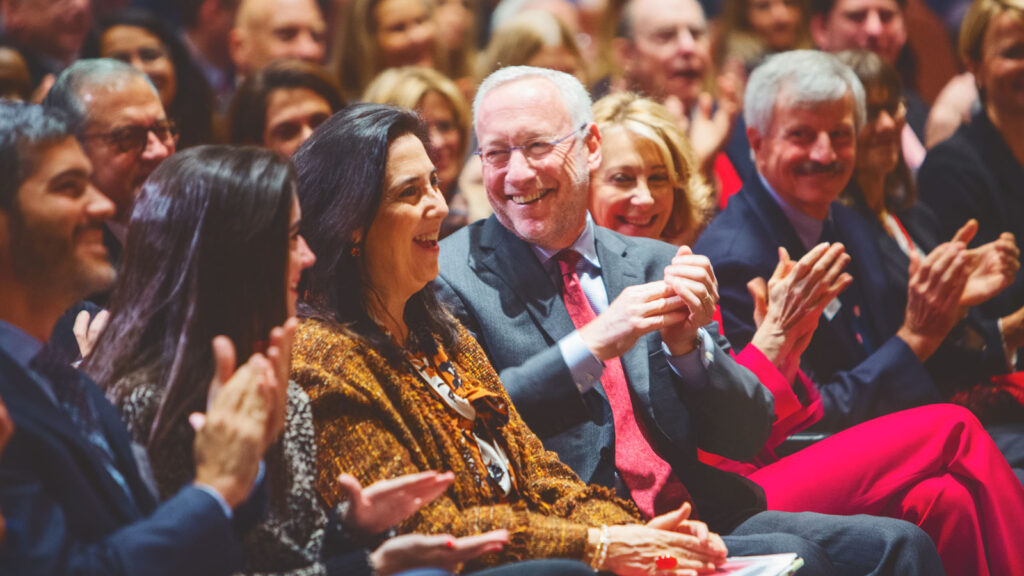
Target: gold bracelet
601,554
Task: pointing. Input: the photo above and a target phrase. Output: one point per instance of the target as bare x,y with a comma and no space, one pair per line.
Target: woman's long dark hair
206,254
192,108
341,170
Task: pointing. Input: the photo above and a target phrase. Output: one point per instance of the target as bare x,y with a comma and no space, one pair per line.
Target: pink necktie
647,475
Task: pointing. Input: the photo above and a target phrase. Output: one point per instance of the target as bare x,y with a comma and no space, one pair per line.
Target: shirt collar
18,344
584,244
808,228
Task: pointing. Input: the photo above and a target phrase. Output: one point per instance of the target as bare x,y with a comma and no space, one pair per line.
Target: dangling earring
356,250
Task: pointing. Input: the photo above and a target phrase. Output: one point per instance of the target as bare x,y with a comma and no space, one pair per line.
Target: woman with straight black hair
136,37
213,248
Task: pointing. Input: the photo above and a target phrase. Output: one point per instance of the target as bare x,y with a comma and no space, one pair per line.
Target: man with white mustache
803,111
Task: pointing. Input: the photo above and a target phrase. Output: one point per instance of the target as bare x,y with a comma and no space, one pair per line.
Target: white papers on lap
767,565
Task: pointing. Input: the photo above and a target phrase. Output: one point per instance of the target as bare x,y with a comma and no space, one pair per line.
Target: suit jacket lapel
774,219
513,261
24,397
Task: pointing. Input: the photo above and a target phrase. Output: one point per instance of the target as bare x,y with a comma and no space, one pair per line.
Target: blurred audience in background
280,106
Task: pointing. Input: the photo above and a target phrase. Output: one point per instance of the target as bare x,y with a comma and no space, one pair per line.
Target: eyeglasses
535,150
135,138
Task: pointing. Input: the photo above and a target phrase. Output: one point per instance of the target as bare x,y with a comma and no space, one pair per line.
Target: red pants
934,466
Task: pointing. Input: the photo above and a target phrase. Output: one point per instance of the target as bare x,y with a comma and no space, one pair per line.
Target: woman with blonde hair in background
647,184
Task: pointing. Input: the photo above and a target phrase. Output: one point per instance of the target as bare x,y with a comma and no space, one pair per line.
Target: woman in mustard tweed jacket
398,386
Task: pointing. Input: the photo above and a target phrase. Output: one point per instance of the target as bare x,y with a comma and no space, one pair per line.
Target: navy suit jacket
66,515
855,385
974,348
496,286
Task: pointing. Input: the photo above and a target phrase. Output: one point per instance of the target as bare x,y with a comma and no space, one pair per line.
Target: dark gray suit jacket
494,284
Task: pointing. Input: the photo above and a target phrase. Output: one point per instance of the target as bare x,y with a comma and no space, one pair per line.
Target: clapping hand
788,306
933,297
692,279
232,435
420,550
374,509
993,266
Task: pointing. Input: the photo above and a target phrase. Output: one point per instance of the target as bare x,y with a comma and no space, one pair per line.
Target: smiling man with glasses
116,113
600,340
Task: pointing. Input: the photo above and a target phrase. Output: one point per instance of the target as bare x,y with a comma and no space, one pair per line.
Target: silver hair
808,78
66,93
574,96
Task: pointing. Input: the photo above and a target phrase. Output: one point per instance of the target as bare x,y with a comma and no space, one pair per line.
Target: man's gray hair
66,93
574,95
807,78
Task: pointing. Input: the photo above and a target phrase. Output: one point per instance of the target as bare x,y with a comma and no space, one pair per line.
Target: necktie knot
567,260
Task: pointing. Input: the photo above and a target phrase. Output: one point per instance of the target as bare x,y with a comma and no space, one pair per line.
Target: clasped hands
634,549
679,304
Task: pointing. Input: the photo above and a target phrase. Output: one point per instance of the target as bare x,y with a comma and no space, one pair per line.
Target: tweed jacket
378,420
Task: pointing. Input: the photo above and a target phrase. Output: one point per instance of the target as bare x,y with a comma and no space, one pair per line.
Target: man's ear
592,139
755,139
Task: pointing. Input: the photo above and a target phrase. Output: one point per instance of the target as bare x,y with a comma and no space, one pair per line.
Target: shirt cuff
692,367
228,513
585,368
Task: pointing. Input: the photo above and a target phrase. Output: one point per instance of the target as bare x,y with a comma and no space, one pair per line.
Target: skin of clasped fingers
228,448
694,266
637,311
633,550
